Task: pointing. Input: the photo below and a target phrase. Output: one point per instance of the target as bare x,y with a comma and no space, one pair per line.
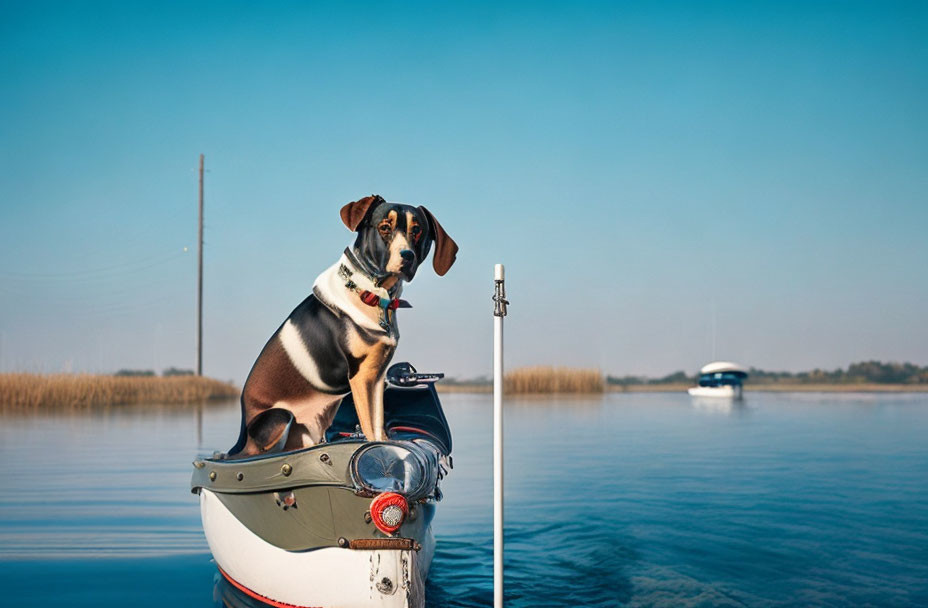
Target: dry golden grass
534,380
85,390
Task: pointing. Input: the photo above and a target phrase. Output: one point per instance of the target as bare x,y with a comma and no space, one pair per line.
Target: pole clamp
499,299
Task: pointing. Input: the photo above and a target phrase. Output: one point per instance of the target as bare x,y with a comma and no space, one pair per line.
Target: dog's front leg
367,365
367,390
380,433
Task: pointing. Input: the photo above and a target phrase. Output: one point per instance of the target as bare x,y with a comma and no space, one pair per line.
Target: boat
720,379
345,523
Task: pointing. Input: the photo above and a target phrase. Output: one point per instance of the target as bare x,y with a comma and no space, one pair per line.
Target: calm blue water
626,500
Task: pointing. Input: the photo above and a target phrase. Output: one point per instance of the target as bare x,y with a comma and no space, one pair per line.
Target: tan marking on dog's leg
362,390
367,389
367,383
380,433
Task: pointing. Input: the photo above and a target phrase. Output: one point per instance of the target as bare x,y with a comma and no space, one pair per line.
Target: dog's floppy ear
446,250
354,213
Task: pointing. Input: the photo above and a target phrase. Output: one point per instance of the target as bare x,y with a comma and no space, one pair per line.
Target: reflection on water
226,595
628,499
106,482
720,405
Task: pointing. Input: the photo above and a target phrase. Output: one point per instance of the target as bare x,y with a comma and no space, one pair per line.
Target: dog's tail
242,433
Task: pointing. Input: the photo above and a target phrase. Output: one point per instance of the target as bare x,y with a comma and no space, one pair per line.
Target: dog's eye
384,228
416,232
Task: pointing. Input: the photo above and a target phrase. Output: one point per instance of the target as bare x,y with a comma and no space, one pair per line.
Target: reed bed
535,380
85,390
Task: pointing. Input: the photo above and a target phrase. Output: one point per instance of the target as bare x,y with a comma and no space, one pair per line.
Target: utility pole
200,282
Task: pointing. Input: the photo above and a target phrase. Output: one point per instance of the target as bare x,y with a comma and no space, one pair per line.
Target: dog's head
393,239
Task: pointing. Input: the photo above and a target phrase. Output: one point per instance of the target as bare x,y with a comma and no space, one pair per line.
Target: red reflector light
388,510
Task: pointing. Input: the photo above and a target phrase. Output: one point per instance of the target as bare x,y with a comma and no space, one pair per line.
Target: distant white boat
720,379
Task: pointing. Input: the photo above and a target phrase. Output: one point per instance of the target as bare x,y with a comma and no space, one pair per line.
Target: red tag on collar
371,299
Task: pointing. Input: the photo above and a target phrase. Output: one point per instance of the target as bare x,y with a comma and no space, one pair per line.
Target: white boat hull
723,392
326,578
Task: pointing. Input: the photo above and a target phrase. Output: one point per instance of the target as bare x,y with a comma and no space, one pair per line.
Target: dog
341,338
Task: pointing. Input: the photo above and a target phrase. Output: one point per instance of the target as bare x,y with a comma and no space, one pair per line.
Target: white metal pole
499,297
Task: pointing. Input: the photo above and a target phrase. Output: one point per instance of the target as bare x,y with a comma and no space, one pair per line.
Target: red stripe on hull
257,596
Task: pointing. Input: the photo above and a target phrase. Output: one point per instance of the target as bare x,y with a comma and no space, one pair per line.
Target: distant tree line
679,377
479,381
873,372
865,372
171,371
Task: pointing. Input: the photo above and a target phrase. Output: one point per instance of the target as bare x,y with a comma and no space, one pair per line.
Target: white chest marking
331,288
299,355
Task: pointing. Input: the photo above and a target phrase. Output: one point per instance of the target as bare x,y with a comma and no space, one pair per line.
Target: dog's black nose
408,255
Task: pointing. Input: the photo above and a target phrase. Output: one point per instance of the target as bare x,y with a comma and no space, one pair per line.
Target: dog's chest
340,294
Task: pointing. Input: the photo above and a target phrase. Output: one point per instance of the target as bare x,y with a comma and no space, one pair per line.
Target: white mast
499,311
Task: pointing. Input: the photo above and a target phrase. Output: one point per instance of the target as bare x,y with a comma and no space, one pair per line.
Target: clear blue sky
635,165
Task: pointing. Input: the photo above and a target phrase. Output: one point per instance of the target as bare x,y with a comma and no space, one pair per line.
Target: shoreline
28,391
681,388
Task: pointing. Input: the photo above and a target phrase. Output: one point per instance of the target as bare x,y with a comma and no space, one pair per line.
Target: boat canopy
724,367
721,379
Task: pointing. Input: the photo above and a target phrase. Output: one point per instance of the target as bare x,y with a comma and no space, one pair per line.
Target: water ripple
629,500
